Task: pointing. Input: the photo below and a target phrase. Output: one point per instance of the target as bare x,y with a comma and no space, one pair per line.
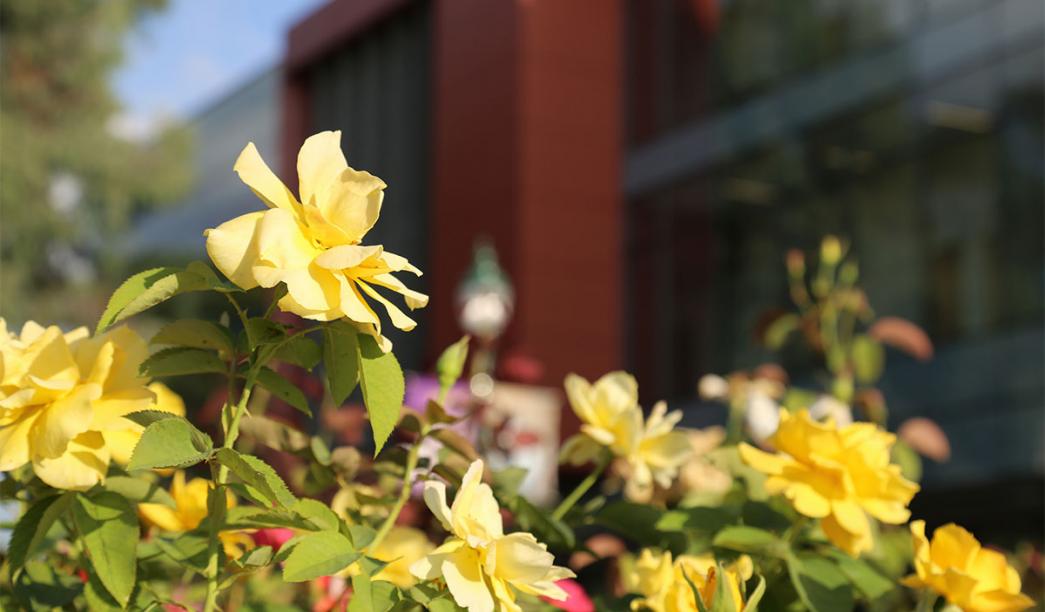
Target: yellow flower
649,453
973,578
313,245
483,567
837,475
63,396
190,500
664,587
401,548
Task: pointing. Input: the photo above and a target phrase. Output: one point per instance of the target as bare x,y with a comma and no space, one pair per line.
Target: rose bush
798,503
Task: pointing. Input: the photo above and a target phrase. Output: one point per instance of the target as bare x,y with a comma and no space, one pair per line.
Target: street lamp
485,302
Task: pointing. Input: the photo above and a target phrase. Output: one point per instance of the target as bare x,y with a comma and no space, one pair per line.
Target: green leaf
170,443
181,361
908,460
636,522
371,595
284,390
551,531
383,388
42,587
98,599
750,540
700,518
456,442
341,359
868,580
189,549
779,330
150,287
148,417
361,535
194,333
301,351
819,583
257,475
318,554
263,331
868,359
139,491
755,596
33,526
108,525
450,364
317,514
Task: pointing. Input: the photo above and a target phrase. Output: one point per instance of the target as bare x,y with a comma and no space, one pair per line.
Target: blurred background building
641,166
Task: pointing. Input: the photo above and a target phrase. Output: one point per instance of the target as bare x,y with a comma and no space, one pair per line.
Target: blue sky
180,60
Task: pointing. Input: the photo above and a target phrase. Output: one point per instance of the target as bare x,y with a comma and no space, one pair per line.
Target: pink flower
274,537
576,599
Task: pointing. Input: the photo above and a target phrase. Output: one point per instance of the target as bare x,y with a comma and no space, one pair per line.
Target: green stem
404,494
216,502
565,505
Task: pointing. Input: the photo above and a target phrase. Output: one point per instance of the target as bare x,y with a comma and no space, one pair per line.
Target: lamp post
485,302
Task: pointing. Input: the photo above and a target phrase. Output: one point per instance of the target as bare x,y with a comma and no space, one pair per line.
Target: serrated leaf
181,361
39,586
341,360
301,351
317,514
139,491
371,595
750,540
361,535
108,525
263,331
318,554
151,287
170,443
194,333
33,526
258,475
383,388
189,549
284,390
148,417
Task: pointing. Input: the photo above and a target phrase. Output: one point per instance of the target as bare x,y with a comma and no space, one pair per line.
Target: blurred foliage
69,184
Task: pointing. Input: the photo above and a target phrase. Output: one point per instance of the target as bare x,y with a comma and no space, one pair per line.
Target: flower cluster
649,453
838,475
63,397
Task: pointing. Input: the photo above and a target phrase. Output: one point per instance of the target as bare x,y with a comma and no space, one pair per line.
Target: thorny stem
565,505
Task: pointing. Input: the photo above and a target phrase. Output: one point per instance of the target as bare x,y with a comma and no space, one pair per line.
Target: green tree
57,59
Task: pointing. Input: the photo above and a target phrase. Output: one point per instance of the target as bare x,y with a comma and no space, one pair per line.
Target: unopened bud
831,250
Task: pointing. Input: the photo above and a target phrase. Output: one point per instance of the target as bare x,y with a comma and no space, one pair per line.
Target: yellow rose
63,395
973,578
664,586
313,246
481,566
649,453
190,500
836,475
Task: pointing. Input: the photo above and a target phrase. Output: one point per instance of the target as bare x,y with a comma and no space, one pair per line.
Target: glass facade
912,128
